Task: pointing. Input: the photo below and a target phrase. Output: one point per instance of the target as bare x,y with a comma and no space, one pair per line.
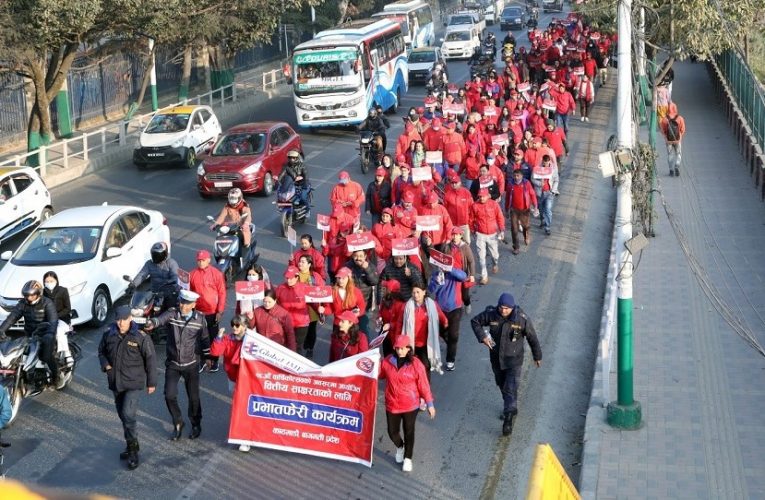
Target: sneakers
399,455
671,173
507,425
547,231
215,366
450,366
468,308
407,467
677,172
587,118
484,280
244,448
582,118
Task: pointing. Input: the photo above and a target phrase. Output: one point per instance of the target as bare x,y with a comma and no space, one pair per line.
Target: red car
248,156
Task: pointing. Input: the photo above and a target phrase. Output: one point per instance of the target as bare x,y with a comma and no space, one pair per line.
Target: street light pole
153,77
625,412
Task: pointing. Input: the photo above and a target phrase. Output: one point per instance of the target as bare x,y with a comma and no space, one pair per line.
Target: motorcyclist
233,212
37,310
438,80
297,171
162,272
509,38
476,57
376,122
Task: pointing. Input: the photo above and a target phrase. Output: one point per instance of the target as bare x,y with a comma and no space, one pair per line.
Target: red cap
420,110
457,230
408,197
453,175
405,165
483,192
380,171
430,100
391,285
343,175
343,272
452,126
388,211
291,272
432,197
402,341
401,159
348,316
203,254
436,124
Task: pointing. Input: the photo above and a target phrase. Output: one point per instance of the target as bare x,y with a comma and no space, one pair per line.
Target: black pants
466,296
310,336
190,374
507,381
48,355
127,407
212,330
421,353
301,332
452,334
394,430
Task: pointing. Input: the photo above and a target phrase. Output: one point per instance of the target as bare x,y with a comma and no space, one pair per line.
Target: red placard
500,140
523,87
405,246
456,108
318,294
579,70
422,173
549,104
490,112
428,222
360,241
322,222
441,260
286,402
485,181
250,290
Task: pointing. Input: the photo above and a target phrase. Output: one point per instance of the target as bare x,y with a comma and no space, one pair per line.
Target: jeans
482,241
452,334
127,407
190,374
546,199
394,430
519,217
561,119
507,381
674,155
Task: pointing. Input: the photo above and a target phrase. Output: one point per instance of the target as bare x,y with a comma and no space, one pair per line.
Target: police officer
187,340
127,356
507,324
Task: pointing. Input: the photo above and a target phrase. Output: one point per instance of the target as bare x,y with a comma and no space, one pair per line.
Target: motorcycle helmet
32,288
158,252
235,196
372,113
293,158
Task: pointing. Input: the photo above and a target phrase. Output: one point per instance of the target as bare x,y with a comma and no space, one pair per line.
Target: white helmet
234,196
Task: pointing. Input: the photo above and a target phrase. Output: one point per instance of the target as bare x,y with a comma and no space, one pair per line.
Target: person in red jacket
209,283
538,122
386,232
433,136
333,245
405,215
673,128
291,296
585,94
564,104
407,383
454,147
405,140
229,347
307,248
458,201
272,321
348,194
439,237
488,224
556,139
345,297
520,201
348,340
471,167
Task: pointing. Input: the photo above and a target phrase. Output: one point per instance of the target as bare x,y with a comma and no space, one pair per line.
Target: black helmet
372,113
158,252
32,287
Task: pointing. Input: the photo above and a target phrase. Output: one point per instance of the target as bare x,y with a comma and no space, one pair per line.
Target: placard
360,241
441,260
378,341
422,173
405,246
322,222
434,157
485,181
454,107
524,87
292,236
183,279
549,104
489,111
579,70
250,290
428,223
318,294
500,140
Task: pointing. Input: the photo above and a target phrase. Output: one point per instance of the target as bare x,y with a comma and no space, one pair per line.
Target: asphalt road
71,439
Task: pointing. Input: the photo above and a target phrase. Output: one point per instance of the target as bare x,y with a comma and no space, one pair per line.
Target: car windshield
55,246
322,71
458,36
461,20
512,13
238,144
422,56
167,123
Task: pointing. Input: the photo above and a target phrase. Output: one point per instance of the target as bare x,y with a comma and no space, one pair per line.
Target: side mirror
112,252
441,40
126,277
207,149
6,255
197,126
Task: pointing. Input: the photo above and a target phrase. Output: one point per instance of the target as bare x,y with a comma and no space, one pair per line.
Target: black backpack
673,129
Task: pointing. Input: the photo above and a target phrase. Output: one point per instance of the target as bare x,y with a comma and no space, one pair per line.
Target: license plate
327,113
155,154
223,184
139,321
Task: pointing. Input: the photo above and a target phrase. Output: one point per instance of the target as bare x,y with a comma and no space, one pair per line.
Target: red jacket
210,284
385,234
458,203
471,167
454,148
590,67
405,218
351,194
337,307
564,101
405,140
555,139
316,256
433,139
292,299
276,324
520,196
444,234
406,385
339,347
487,218
229,348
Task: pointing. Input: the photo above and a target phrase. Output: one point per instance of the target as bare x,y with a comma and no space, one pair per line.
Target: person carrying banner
348,340
407,383
229,347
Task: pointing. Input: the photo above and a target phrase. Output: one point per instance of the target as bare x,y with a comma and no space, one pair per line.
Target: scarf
434,349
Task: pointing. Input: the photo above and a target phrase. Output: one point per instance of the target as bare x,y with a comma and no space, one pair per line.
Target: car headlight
177,143
201,170
78,288
305,106
252,168
353,102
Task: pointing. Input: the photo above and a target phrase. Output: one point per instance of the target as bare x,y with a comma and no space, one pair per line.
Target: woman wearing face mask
60,297
348,340
273,321
407,383
310,277
256,272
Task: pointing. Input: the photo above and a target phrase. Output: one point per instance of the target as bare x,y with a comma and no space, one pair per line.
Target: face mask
50,285
343,182
252,278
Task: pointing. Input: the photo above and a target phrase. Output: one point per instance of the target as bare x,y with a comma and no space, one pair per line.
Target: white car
492,10
467,18
24,200
176,136
460,42
421,62
90,249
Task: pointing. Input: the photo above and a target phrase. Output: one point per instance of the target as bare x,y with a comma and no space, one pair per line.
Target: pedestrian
488,224
521,200
564,104
230,346
346,296
307,248
391,313
127,357
187,340
309,277
556,140
407,384
255,272
545,179
291,296
403,271
365,278
463,258
421,322
673,128
273,322
446,288
378,196
458,201
348,340
508,325
437,237
208,282
348,194
585,94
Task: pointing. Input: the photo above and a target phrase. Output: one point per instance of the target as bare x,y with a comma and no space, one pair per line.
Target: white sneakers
399,455
244,448
407,467
450,366
582,119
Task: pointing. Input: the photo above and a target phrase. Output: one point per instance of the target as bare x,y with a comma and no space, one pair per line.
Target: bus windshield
321,71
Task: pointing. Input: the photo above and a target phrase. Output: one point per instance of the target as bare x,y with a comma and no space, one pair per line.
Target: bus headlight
305,106
352,102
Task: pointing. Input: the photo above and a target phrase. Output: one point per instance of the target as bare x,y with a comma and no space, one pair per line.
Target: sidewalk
699,383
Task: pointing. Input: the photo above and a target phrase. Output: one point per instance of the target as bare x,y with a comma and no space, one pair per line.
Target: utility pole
625,412
153,77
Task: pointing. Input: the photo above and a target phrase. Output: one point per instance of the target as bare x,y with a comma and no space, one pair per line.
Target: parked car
249,156
513,18
90,248
421,62
460,42
552,5
177,136
24,200
465,18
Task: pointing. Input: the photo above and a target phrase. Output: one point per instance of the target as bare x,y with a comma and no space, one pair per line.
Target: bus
342,72
416,21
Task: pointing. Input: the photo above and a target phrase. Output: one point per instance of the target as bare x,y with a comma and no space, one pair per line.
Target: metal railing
80,147
746,89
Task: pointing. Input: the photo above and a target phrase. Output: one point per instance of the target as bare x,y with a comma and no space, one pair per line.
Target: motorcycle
23,374
370,149
146,305
508,50
289,202
481,67
227,248
489,49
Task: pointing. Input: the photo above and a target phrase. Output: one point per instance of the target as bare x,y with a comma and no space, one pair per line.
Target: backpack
673,129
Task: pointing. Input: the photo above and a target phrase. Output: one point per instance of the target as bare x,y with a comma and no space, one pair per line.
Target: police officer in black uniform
508,325
127,357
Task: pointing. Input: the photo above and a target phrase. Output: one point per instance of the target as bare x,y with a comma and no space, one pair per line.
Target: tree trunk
144,82
204,58
183,90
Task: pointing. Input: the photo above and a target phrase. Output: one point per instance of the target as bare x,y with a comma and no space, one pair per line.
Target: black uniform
163,278
133,367
42,311
507,356
377,124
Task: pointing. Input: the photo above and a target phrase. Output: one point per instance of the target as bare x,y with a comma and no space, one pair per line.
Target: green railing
746,89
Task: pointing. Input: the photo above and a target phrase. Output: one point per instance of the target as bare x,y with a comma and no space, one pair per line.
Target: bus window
424,16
